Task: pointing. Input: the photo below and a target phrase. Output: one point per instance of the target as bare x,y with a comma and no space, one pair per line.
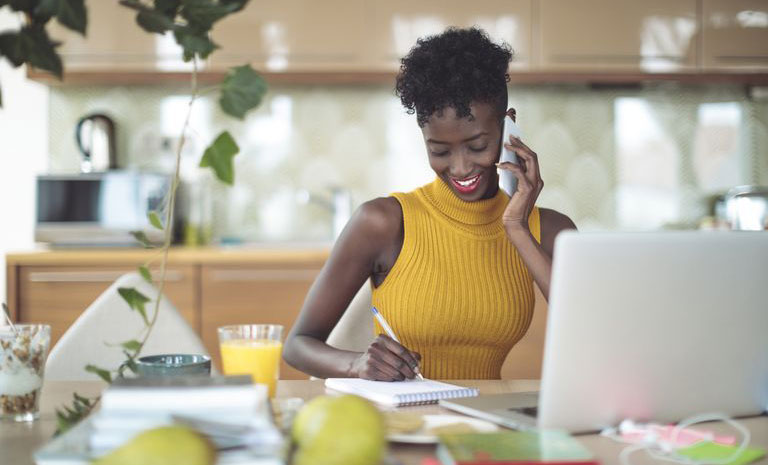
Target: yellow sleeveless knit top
458,293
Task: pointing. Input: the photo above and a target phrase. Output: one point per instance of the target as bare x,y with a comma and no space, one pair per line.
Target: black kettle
95,137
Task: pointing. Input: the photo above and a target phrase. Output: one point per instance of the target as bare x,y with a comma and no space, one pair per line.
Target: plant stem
171,205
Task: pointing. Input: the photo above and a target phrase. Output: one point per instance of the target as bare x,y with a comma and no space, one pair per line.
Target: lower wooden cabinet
271,293
210,288
57,295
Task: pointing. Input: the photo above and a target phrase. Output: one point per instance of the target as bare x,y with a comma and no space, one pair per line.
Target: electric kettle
95,137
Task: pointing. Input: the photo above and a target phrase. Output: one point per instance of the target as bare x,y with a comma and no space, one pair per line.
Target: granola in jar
23,350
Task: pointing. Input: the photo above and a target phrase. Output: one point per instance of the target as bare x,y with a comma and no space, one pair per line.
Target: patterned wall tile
617,158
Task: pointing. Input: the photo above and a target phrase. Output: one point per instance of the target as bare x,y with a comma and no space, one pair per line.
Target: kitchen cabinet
267,293
336,41
57,294
735,35
618,35
397,24
293,35
115,43
210,287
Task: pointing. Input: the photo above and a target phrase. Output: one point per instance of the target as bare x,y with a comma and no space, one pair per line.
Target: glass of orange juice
252,350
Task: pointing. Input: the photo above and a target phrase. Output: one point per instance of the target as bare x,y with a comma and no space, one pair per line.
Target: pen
390,333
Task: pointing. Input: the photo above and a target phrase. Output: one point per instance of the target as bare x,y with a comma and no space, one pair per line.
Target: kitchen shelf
388,78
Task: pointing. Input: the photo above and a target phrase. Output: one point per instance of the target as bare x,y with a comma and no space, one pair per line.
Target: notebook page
399,392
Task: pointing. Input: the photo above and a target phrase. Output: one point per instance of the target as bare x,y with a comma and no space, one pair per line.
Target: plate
421,436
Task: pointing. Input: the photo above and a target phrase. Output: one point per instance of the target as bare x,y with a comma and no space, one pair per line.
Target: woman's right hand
386,360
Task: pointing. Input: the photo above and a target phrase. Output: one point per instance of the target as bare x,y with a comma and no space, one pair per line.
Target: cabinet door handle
264,275
105,276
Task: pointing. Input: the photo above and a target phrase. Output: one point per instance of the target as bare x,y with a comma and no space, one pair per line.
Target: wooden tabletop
19,440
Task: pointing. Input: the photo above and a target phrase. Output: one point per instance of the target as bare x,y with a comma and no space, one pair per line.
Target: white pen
390,333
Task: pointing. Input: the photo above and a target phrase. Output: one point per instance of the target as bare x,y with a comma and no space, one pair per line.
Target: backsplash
611,158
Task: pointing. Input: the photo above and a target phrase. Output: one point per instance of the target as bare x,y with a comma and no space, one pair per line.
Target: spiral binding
426,398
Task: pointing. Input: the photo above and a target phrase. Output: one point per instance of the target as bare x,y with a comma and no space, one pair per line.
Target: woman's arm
537,257
368,234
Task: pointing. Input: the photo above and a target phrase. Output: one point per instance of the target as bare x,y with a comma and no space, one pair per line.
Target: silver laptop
649,326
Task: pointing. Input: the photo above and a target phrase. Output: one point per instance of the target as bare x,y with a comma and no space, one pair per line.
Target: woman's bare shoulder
377,223
382,215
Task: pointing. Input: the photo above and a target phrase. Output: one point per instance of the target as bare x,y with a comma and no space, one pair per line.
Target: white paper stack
231,411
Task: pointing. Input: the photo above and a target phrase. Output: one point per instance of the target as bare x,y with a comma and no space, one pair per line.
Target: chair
354,331
95,337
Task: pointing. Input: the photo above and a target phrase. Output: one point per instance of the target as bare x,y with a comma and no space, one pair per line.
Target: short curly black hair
453,69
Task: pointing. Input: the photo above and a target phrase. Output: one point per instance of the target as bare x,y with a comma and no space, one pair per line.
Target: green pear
333,430
167,445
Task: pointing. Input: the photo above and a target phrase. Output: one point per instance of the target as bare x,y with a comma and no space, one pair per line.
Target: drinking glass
252,350
23,350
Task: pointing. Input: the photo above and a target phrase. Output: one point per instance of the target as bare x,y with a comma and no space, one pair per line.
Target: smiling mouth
466,185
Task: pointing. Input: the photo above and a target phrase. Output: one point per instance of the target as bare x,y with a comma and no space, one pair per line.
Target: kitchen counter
247,254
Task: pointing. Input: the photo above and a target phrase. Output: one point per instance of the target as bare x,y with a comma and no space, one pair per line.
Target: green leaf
10,47
242,90
167,7
38,49
23,5
136,300
219,156
70,13
154,219
131,365
142,238
132,345
154,21
144,272
238,4
100,372
194,42
202,14
67,417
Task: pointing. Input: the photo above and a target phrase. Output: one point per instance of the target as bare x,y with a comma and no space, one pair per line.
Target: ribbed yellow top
458,293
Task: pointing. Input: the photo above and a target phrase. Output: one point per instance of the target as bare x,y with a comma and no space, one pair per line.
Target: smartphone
507,180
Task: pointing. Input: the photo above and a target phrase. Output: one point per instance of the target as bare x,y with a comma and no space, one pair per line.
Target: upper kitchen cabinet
396,24
735,35
115,44
653,36
292,36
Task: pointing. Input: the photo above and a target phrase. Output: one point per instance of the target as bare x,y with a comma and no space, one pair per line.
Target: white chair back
354,331
95,337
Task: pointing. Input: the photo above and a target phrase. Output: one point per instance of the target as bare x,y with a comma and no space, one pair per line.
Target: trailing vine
190,23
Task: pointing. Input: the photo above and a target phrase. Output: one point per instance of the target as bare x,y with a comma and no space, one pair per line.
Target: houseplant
190,23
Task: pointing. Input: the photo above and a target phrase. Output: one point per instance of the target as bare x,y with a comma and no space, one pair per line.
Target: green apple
334,430
167,445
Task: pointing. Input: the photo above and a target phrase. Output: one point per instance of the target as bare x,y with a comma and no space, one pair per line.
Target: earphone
666,450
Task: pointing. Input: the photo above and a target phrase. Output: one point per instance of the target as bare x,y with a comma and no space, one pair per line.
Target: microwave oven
98,209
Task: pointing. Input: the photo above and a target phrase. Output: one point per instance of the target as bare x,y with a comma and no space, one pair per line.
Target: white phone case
507,180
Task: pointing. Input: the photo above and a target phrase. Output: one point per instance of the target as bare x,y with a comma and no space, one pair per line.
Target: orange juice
259,358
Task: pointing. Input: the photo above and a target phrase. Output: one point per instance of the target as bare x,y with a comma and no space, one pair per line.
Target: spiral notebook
400,393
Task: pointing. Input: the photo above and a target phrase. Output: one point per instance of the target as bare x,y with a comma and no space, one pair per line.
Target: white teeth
467,182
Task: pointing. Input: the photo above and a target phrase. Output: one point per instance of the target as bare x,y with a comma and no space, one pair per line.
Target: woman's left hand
529,185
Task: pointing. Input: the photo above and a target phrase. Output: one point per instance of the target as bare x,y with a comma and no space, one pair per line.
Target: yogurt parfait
23,349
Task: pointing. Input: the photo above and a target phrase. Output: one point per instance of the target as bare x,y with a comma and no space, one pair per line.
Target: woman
452,263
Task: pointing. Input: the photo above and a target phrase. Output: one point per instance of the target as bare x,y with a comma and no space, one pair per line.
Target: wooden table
19,440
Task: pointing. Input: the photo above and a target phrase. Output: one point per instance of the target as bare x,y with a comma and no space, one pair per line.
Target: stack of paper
231,411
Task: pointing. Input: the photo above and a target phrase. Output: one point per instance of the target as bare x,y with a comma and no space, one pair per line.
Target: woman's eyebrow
468,139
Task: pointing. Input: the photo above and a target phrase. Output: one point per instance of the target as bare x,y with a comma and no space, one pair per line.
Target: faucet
339,204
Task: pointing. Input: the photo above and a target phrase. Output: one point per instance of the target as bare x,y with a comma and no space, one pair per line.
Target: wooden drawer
269,293
57,295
